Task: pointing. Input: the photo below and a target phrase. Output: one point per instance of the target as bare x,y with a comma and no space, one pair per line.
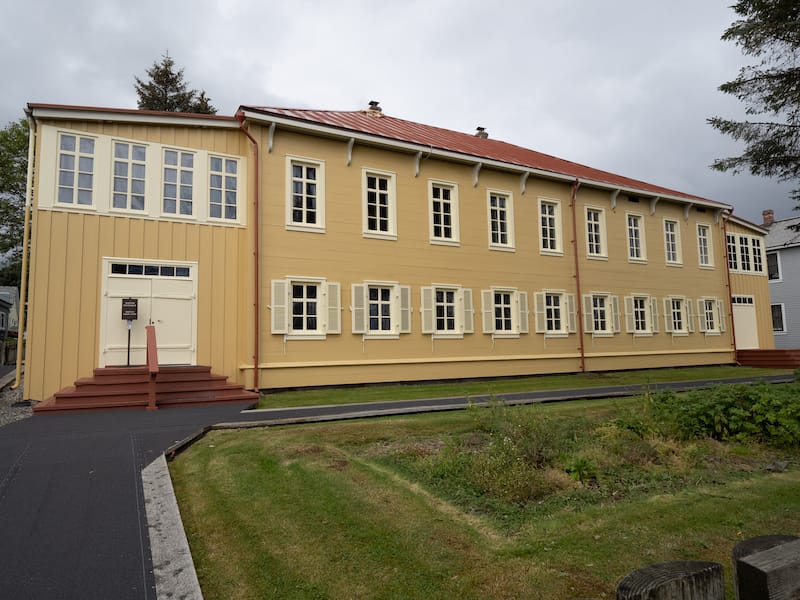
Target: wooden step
779,358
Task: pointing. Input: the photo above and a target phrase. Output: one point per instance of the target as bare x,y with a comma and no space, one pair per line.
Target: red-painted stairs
127,388
779,358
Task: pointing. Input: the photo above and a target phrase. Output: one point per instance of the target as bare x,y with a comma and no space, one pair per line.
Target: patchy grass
414,391
434,506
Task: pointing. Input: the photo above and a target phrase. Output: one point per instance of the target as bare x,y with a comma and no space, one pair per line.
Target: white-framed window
637,248
223,188
381,309
733,254
778,318
500,207
744,253
678,315
2,322
596,232
555,313
710,316
758,255
774,266
129,176
641,314
305,307
705,248
178,188
550,227
305,194
601,314
447,310
672,242
380,204
444,225
75,170
505,312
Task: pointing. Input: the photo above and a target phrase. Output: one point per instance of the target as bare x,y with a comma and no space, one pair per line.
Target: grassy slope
308,512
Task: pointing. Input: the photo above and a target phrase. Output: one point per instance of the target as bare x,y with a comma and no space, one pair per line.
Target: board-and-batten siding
787,292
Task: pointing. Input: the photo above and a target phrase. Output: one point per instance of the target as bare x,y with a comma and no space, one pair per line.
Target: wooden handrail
152,349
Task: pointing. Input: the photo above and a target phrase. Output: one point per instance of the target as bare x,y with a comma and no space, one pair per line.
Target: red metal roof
392,128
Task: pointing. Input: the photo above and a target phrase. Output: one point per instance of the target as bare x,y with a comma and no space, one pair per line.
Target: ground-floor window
778,323
305,308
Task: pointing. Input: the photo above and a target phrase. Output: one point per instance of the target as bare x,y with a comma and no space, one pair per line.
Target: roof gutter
240,117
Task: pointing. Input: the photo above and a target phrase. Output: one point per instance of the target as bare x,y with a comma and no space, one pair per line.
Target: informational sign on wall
130,309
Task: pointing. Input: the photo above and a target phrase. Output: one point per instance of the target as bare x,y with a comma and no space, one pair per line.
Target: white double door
169,303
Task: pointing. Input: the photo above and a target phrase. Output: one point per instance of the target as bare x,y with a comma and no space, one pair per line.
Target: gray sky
621,85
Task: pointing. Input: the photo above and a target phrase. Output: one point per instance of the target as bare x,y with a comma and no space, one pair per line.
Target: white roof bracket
475,171
653,201
523,181
351,142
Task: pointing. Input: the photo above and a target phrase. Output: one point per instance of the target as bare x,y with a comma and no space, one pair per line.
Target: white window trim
612,314
777,254
559,249
319,227
709,246
392,191
328,308
510,245
464,314
718,310
568,317
400,315
519,312
603,254
678,247
196,190
148,177
783,331
752,250
96,166
687,316
642,243
651,315
455,240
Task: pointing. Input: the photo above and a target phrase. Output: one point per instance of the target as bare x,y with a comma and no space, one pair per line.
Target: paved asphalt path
72,516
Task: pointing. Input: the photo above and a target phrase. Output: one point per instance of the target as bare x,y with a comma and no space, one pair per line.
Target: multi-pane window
305,308
777,318
549,219
447,311
704,256
708,316
379,204
305,203
733,259
444,212
641,314
678,315
502,311
744,252
594,232
223,188
672,249
552,312
636,247
501,224
381,309
505,312
639,304
773,266
555,313
178,193
129,176
76,170
758,261
601,314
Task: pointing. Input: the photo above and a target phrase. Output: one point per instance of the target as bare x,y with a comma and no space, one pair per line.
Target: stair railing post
152,366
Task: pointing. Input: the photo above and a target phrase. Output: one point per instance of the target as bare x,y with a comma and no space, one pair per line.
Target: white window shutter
668,315
689,314
630,321
654,314
334,308
721,315
701,316
524,327
278,306
570,305
487,304
426,310
405,309
469,311
588,316
615,313
358,302
541,321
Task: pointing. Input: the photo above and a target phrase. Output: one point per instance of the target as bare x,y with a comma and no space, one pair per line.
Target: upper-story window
501,221
129,176
76,169
380,205
745,253
178,191
672,242
733,259
550,227
758,261
637,250
505,312
223,188
705,254
305,203
773,266
443,212
595,232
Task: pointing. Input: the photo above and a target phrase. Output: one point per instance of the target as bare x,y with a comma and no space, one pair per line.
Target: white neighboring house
11,295
783,268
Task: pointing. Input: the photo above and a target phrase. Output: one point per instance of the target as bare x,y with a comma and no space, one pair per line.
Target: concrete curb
173,568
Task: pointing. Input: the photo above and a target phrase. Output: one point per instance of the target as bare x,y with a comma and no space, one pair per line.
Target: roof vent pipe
374,106
481,133
768,217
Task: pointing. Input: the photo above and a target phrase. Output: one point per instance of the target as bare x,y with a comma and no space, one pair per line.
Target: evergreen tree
769,31
166,90
13,176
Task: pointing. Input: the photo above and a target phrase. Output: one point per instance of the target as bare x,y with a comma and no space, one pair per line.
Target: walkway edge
173,568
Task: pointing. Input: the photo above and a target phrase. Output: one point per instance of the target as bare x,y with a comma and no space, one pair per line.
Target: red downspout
725,216
256,284
579,301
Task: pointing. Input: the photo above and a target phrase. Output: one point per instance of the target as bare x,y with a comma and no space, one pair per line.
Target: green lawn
413,391
432,506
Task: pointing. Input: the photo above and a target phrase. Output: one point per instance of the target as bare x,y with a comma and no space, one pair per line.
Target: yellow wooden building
289,248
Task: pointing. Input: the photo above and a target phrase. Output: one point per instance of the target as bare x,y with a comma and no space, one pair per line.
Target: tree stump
772,574
676,580
754,546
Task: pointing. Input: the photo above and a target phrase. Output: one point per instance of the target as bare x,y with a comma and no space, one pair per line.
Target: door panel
115,349
173,316
746,325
